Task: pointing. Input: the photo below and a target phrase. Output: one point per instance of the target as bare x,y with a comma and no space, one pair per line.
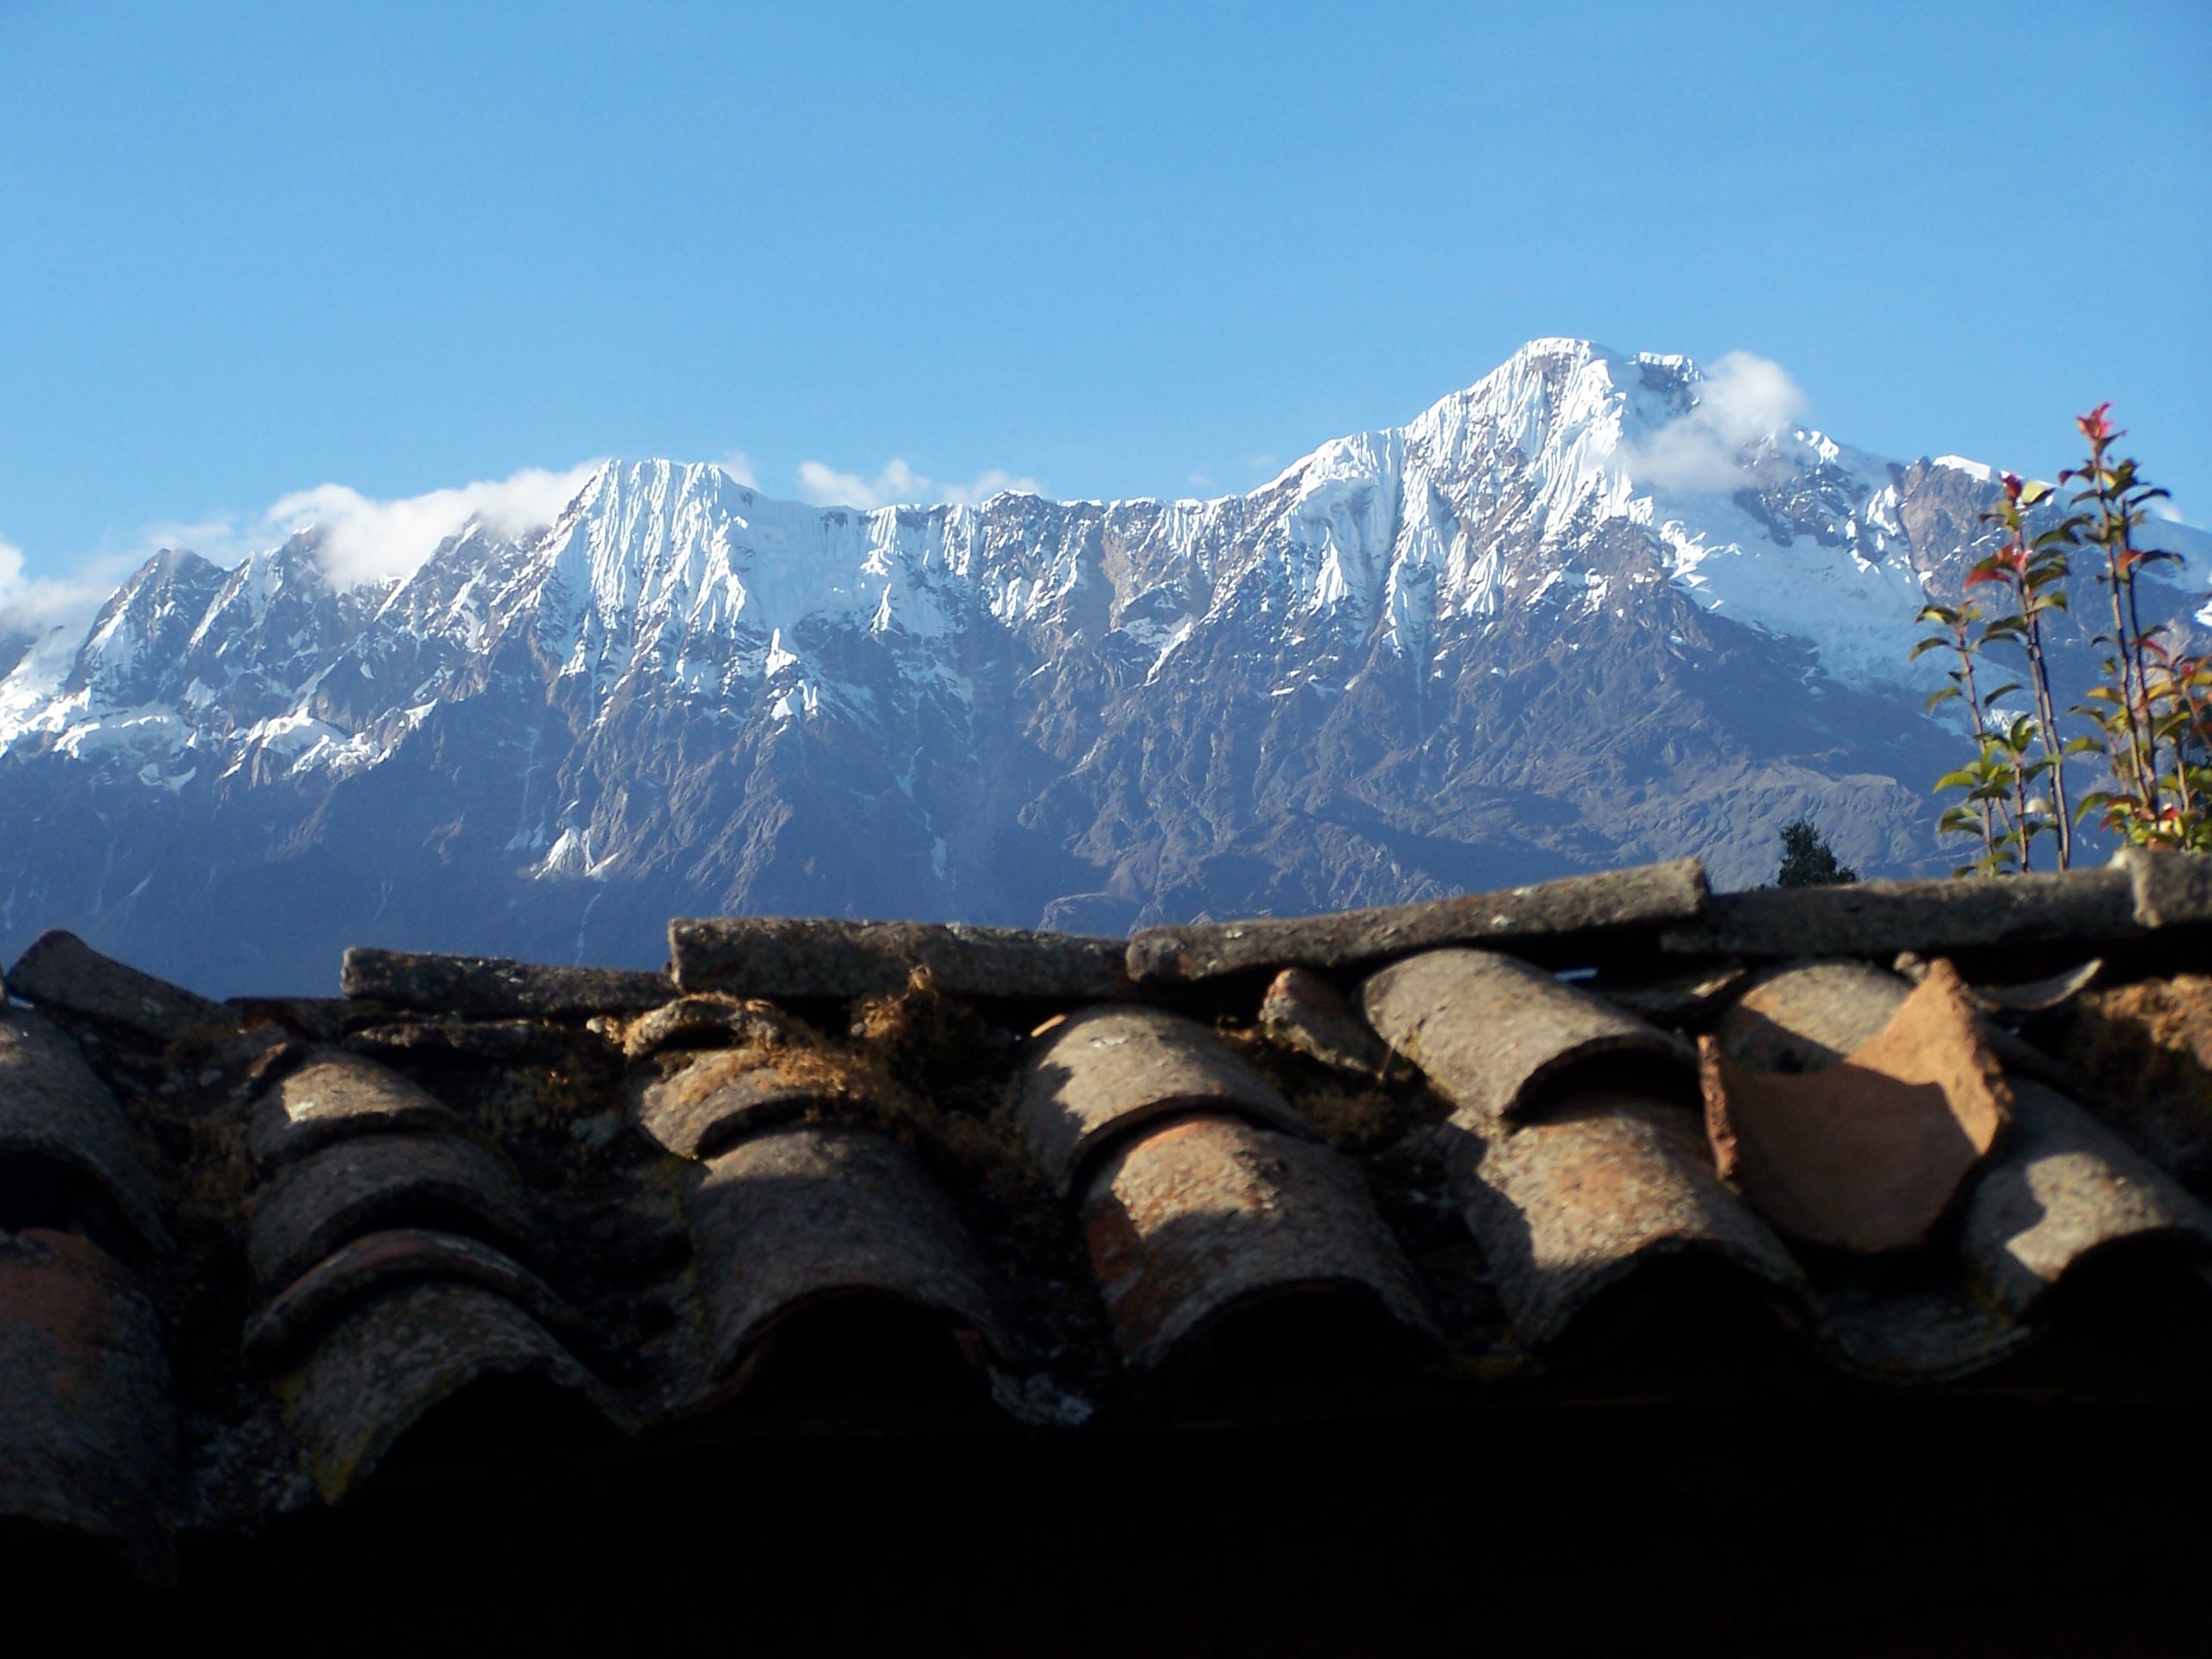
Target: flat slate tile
1646,898
792,957
60,970
1933,918
492,987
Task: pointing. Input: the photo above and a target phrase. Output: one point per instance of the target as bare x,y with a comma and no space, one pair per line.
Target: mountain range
1588,611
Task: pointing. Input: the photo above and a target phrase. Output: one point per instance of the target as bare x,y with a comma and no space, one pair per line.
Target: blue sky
247,251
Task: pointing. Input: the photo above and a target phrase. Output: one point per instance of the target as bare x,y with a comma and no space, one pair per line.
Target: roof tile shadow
2064,1189
1604,1183
399,1357
87,1429
53,1106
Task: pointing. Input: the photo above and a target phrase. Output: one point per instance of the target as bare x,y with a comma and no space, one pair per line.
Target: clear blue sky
250,249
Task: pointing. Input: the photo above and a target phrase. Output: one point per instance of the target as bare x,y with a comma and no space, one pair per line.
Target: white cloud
897,484
366,540
1741,399
739,466
38,605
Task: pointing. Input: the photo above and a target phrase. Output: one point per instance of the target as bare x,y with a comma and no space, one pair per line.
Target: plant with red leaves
2153,714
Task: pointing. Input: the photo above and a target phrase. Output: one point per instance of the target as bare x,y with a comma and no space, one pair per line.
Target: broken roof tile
333,1096
794,957
1306,1011
1867,1153
53,1106
60,970
87,1431
379,1259
2064,1186
789,1217
1103,1072
492,987
1616,900
1803,1018
400,1355
1206,1214
378,1182
1935,918
1569,1206
1491,1033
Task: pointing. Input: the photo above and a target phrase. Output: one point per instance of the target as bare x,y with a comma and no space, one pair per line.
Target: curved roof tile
728,1092
791,1216
1491,1033
343,1191
396,1358
1104,1070
367,1265
1206,1213
333,1096
1567,1206
51,1105
2064,1186
87,1433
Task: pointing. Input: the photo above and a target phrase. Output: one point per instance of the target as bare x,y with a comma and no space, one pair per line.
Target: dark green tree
1807,861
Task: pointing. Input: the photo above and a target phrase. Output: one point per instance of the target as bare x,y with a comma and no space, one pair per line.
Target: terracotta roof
1439,1159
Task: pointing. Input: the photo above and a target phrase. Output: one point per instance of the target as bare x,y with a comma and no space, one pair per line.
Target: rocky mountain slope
1564,618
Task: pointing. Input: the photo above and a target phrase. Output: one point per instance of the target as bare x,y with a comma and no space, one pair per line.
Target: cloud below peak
368,540
899,484
1740,399
32,606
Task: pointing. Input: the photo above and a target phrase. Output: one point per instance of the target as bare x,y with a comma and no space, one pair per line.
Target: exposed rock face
1518,637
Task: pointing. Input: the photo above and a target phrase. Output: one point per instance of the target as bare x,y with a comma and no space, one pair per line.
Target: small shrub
1807,861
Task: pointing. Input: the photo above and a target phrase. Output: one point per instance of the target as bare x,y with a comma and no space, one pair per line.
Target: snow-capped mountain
1574,615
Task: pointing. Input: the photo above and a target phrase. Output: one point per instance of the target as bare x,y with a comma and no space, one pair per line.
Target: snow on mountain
1592,606
684,576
